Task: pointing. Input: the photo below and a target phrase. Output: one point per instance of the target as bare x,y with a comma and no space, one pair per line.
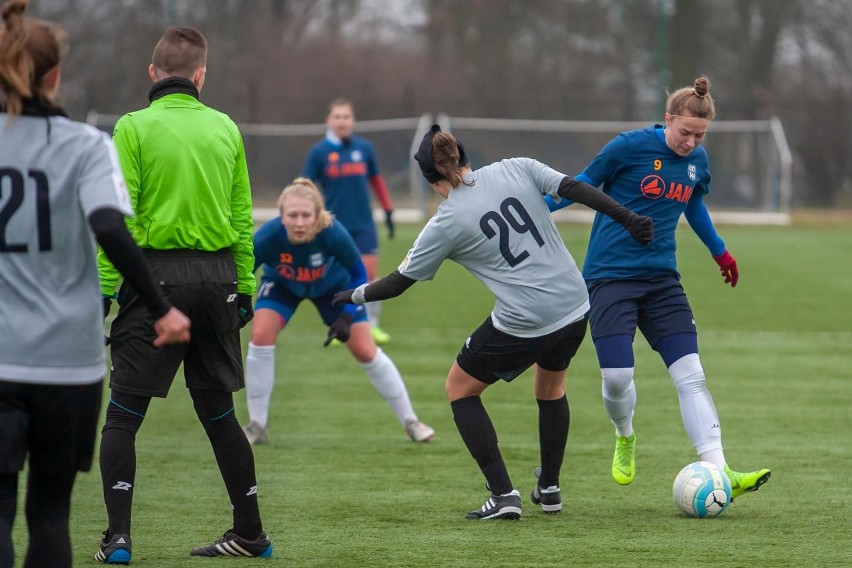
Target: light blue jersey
500,230
53,173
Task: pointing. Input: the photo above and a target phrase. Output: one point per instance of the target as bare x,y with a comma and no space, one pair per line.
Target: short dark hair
180,51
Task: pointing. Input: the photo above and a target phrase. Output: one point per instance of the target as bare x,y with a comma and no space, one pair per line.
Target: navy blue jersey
329,263
343,169
638,170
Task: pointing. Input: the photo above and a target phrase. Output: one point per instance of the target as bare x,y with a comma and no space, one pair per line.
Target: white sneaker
418,431
255,433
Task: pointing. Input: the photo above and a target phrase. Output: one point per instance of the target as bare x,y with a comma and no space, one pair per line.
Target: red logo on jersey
299,273
286,271
347,169
679,192
652,187
334,157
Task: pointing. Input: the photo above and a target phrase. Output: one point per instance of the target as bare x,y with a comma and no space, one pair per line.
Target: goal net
276,153
750,160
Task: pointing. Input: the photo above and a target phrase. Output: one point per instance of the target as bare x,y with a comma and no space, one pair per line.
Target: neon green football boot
380,336
624,460
742,483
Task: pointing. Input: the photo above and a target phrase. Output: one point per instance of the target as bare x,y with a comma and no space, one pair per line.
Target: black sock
479,436
234,457
118,457
8,507
48,509
554,418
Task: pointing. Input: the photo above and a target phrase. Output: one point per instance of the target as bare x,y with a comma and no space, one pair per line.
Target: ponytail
29,49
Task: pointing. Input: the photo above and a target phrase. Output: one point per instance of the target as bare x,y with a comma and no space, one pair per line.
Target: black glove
344,297
339,329
389,223
244,309
107,303
641,228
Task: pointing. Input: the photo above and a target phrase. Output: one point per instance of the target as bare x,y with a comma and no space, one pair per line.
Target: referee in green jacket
185,168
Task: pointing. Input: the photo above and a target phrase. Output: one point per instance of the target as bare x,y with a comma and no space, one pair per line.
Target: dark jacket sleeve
114,238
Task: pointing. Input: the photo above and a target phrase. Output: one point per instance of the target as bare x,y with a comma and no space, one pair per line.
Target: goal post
275,154
750,160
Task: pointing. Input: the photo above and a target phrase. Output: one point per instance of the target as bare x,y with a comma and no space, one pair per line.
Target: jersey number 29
505,220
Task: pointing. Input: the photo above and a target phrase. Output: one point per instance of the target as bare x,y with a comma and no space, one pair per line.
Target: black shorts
203,285
490,354
55,424
657,306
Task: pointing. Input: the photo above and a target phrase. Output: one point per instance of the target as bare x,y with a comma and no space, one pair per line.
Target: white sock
387,381
260,375
373,310
697,409
716,457
619,398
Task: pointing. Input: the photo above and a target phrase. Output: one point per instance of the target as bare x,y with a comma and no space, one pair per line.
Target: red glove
728,265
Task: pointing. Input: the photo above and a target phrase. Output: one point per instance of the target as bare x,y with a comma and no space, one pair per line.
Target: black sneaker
116,550
548,497
232,544
506,506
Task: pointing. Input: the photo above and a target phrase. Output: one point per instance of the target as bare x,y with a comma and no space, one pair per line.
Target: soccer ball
702,490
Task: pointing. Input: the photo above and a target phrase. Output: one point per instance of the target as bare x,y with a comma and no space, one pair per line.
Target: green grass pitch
341,485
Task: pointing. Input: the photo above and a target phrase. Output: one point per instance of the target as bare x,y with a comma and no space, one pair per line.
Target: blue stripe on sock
124,408
223,415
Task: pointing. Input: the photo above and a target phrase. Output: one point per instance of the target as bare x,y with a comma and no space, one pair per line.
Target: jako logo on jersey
652,187
301,273
346,170
122,485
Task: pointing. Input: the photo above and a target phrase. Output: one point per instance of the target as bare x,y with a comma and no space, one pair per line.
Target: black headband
425,160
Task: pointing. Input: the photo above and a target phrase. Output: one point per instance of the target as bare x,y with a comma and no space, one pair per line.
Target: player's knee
616,381
687,374
118,418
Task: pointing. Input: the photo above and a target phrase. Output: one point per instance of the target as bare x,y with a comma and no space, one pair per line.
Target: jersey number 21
14,180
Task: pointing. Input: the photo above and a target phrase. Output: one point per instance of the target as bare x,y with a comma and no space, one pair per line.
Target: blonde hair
696,100
306,189
29,49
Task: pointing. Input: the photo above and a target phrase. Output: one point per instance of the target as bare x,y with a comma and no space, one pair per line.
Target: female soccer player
307,255
344,164
495,224
660,171
60,183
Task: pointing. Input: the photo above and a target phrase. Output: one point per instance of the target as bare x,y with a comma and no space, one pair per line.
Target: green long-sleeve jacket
185,168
